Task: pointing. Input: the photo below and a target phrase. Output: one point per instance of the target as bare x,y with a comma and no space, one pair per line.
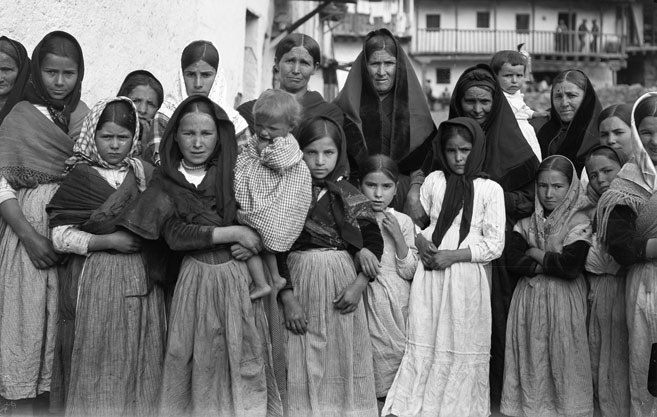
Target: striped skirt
330,367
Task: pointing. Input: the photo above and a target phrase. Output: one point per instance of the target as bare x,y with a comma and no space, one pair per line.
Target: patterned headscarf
86,151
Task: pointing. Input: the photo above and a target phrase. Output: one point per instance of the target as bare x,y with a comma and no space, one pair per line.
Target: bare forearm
11,212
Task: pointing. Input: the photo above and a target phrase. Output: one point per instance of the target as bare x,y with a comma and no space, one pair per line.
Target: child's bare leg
254,264
270,260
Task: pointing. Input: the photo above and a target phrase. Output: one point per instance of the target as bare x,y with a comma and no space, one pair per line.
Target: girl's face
113,142
321,156
601,171
567,97
295,69
648,133
379,188
59,75
457,149
197,137
8,74
145,99
199,78
617,134
552,189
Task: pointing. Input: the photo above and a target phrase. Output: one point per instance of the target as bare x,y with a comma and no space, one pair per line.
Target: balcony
474,42
355,25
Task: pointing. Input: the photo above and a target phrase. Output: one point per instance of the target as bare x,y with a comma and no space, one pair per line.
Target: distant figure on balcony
561,37
509,67
572,129
582,34
386,112
595,32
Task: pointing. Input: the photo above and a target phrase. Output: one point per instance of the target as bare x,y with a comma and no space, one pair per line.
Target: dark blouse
568,265
623,245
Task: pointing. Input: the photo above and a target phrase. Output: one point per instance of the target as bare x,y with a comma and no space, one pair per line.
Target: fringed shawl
23,64
33,149
635,183
575,139
566,224
411,124
510,160
460,188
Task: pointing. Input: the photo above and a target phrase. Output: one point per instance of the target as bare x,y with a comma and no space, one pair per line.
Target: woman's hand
295,318
241,253
426,249
124,242
40,250
348,299
249,238
368,262
413,207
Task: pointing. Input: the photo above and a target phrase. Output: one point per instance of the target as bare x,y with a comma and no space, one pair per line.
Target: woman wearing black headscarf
14,73
37,137
510,162
572,129
386,111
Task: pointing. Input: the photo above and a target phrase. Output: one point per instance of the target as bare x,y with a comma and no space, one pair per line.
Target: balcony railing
487,41
359,25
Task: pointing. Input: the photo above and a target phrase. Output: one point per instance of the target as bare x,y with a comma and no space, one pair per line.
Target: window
522,22
483,20
443,76
433,21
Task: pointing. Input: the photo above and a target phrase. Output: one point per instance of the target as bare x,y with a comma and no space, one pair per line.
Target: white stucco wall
124,35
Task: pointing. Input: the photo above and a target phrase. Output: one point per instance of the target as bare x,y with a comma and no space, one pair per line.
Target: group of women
515,284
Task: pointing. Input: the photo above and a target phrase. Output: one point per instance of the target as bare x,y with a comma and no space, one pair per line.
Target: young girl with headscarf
626,225
547,370
37,137
607,327
217,357
444,370
111,329
329,351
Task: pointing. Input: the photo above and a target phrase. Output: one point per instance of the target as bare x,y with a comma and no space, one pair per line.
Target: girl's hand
40,250
443,259
348,299
240,253
250,239
391,225
368,262
125,242
295,318
413,207
426,249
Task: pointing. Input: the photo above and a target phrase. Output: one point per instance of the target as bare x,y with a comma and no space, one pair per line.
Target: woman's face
379,188
566,98
113,142
295,69
59,75
552,187
382,67
199,78
648,134
477,103
8,74
145,99
321,156
197,137
601,171
616,133
457,149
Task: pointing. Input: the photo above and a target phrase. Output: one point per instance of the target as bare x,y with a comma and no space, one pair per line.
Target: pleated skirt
330,367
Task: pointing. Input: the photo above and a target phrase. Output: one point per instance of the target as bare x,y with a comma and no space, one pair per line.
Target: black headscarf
19,54
60,109
575,139
460,188
219,168
510,160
